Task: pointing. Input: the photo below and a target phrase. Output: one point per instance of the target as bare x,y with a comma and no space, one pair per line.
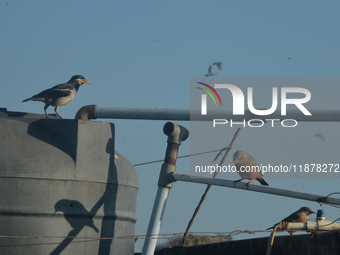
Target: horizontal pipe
195,115
257,188
142,113
324,225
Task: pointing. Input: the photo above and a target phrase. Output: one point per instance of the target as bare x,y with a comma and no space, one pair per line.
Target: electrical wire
185,156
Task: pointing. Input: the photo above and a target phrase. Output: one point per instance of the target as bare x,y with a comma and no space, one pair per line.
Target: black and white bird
60,94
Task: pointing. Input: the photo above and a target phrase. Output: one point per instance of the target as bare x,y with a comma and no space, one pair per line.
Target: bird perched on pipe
60,94
300,215
247,168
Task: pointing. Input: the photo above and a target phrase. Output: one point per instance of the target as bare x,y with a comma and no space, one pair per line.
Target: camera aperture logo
238,104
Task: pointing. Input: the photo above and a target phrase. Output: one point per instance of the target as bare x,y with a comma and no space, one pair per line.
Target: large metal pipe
176,134
257,188
93,112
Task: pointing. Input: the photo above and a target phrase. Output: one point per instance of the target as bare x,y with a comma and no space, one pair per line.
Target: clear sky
143,53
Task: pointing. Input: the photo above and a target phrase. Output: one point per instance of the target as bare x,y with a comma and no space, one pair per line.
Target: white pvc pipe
322,225
255,187
155,221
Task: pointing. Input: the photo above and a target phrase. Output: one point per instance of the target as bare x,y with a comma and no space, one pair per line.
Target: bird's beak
86,81
232,163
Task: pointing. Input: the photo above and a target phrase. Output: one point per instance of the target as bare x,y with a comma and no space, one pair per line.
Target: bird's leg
251,180
56,111
45,109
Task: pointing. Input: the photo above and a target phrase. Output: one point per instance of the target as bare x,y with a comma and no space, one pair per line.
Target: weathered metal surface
63,187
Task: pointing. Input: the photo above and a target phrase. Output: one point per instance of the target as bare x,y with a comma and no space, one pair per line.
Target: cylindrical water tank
64,189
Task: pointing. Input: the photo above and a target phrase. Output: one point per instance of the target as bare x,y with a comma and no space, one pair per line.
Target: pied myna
60,94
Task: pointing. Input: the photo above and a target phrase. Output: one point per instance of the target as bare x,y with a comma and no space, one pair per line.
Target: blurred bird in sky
300,215
219,65
321,136
247,168
210,72
60,94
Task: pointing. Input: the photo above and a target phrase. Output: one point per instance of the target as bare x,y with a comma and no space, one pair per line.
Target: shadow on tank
62,180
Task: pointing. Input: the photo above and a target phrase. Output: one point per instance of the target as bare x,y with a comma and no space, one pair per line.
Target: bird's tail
33,99
262,181
273,226
28,99
94,227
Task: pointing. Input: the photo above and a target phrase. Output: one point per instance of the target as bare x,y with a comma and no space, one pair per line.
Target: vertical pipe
175,134
155,221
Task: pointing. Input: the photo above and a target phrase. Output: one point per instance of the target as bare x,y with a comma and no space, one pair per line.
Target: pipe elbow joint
87,112
176,133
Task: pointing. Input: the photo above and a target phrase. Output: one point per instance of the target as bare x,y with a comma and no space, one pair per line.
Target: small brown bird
219,65
321,136
300,215
247,167
60,94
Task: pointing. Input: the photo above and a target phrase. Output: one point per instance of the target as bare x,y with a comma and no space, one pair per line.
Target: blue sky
143,53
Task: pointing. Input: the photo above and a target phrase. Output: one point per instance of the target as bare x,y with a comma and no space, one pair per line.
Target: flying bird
219,65
60,94
321,136
300,215
247,168
210,72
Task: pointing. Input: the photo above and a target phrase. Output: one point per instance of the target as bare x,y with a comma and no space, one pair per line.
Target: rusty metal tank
63,188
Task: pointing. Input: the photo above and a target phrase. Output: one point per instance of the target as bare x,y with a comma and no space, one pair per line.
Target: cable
185,156
227,149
